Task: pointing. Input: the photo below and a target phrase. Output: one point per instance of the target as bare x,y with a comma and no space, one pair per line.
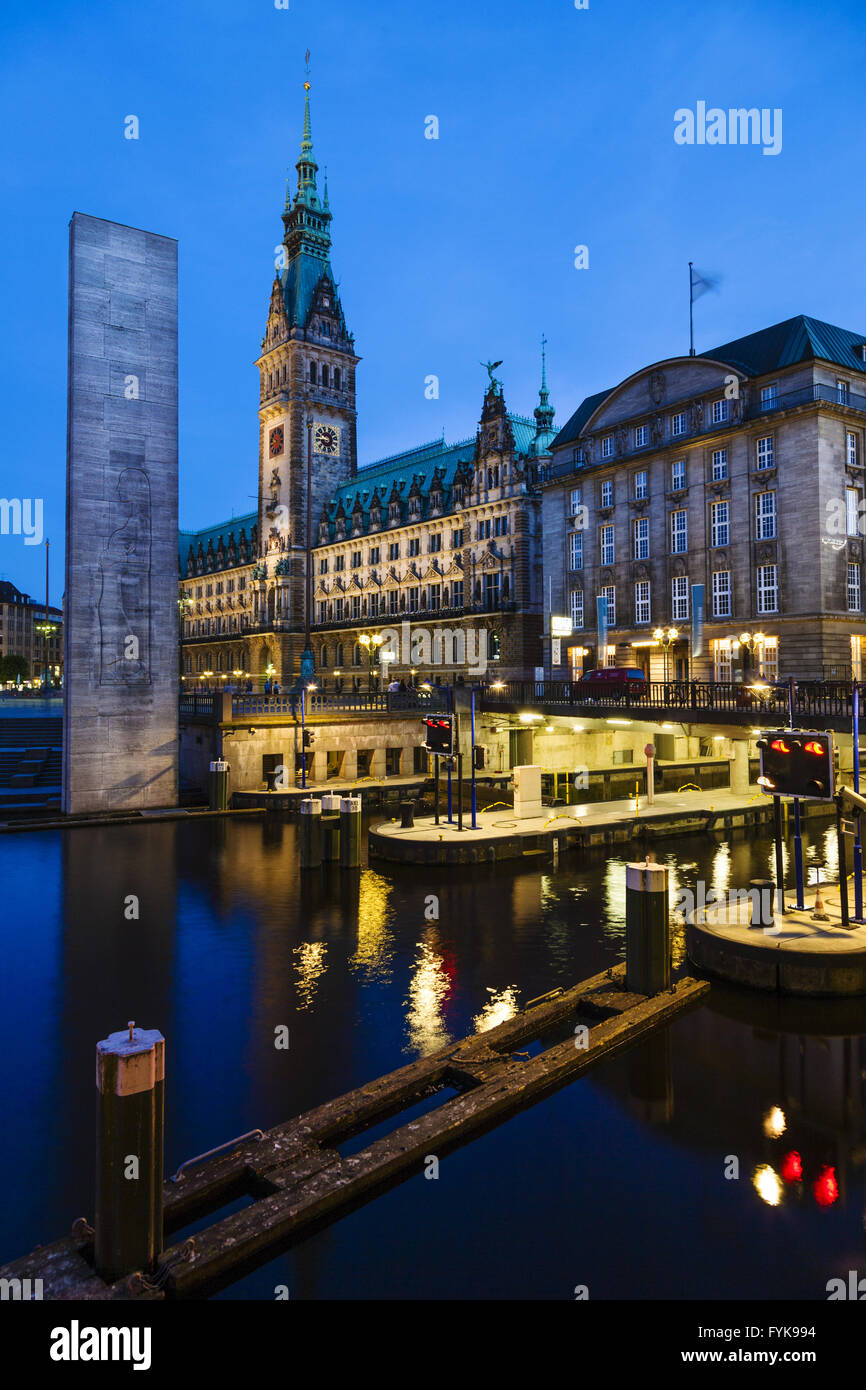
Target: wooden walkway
299,1181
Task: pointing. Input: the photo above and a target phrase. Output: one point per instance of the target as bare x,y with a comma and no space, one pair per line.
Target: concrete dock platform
796,956
500,835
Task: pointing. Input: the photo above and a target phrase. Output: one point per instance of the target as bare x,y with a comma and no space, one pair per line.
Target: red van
611,683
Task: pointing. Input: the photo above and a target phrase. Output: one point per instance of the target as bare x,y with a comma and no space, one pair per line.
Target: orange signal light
813,747
779,746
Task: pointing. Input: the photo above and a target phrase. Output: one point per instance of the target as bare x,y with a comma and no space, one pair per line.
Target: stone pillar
740,768
350,764
377,763
120,688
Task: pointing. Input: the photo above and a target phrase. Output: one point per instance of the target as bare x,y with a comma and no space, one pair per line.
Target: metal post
459,790
647,928
130,1078
843,865
311,833
858,843
303,740
472,754
331,827
218,785
780,871
351,808
798,843
436,789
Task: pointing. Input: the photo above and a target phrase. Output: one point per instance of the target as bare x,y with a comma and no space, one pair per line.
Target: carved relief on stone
123,605
657,385
696,414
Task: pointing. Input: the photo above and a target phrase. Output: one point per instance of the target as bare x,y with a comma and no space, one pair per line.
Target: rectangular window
434,595
723,659
720,465
607,493
500,526
851,450
457,594
768,589
852,511
720,527
575,500
338,609
641,436
356,559
413,598
323,612
414,546
608,591
491,590
640,485
356,605
339,562
374,555
323,567
607,446
679,532
765,516
394,550
721,593
457,539
720,412
678,423
393,601
605,545
577,607
678,475
575,550
842,391
640,538
770,396
764,455
680,598
854,596
483,531
767,658
373,605
642,601
435,543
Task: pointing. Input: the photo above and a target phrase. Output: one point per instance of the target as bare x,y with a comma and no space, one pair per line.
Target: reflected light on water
429,987
309,967
768,1185
501,1006
775,1123
375,946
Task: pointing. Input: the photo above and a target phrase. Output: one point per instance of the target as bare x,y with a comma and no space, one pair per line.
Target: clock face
276,441
326,439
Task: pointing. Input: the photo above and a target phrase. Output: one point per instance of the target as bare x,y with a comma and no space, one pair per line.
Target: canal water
722,1158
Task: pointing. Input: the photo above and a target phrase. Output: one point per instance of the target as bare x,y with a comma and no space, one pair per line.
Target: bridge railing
213,706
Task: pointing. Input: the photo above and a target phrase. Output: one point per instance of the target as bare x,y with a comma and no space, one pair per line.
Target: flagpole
691,313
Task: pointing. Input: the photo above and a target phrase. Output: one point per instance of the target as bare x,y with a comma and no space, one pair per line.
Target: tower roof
307,237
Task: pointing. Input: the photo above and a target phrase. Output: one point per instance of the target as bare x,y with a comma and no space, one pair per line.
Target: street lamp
371,642
304,689
666,636
750,640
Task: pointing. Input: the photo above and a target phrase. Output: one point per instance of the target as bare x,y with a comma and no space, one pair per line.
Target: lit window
721,593
642,601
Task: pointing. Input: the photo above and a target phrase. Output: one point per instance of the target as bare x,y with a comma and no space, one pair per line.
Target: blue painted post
858,844
472,756
450,788
798,843
303,743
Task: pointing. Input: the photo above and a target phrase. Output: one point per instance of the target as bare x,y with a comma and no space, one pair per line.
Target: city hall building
739,470
436,550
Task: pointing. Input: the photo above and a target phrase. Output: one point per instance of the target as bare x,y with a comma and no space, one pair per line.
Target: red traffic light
792,1167
816,748
779,746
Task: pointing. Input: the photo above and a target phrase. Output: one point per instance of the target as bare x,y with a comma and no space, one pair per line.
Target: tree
11,666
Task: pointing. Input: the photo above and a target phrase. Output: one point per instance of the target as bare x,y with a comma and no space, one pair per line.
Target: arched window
338,654
313,373
324,373
323,658
356,654
336,378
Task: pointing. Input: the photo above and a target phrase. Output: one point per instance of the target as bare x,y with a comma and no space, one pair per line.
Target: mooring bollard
130,1077
647,929
350,832
330,827
761,892
407,815
218,785
311,833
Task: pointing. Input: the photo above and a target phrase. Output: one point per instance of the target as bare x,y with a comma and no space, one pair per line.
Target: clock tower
307,416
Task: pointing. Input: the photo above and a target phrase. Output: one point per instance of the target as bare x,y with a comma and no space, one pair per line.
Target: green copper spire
307,237
544,411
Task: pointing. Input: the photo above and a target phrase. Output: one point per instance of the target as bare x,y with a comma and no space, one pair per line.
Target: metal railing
208,707
811,698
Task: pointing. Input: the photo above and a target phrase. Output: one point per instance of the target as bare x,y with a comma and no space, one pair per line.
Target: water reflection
501,1006
309,967
375,946
430,987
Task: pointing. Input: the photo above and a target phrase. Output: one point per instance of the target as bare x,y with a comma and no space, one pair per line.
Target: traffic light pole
843,864
303,739
436,789
472,756
780,871
798,842
858,844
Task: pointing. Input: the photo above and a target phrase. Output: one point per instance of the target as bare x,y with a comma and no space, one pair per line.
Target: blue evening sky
556,129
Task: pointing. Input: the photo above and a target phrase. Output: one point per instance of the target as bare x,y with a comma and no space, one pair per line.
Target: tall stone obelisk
120,691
